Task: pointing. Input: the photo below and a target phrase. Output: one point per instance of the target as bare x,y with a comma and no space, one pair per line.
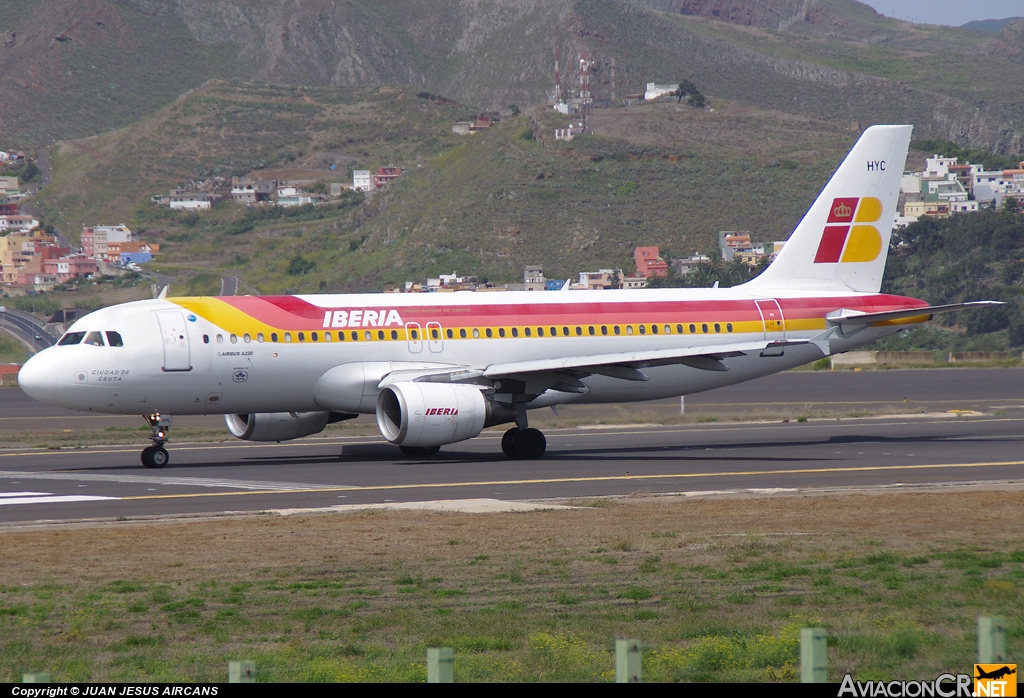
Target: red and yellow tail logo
848,237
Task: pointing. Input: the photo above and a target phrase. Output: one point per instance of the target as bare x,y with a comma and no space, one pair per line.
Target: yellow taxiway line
600,478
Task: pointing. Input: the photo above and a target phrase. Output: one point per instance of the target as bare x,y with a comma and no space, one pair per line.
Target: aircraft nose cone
38,377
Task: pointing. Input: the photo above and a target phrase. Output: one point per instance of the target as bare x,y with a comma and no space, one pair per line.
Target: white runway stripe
160,480
46,498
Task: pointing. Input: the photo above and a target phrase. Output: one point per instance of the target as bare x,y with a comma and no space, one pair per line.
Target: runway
981,440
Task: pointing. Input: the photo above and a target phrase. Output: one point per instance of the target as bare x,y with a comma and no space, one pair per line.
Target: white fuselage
217,359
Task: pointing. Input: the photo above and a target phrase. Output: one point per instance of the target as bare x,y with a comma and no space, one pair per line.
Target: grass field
716,589
11,350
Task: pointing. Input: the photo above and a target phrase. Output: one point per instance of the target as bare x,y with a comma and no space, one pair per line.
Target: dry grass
716,589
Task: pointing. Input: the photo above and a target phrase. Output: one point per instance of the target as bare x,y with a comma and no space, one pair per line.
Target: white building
655,91
17,223
362,180
190,200
937,167
290,196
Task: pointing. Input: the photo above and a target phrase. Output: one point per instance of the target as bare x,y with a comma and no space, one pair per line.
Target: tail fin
842,241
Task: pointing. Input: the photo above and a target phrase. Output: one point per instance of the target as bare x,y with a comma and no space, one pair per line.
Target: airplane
995,674
437,369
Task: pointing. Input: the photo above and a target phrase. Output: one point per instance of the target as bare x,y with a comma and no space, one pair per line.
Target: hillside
227,129
487,204
71,69
962,258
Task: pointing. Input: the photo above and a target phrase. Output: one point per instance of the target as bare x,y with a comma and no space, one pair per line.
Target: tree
688,91
31,172
299,265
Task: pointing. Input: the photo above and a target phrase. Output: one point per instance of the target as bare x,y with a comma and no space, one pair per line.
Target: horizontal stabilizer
854,318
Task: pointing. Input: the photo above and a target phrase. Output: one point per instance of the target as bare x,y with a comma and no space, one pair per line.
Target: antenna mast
558,81
585,97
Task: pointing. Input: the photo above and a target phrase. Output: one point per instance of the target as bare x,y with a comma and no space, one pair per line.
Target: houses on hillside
253,191
481,121
945,187
366,181
649,264
32,260
115,245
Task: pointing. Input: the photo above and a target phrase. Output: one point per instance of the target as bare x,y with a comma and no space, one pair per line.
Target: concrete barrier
853,358
957,357
863,358
904,357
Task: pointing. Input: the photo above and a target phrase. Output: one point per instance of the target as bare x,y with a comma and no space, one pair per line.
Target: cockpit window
114,339
93,339
71,338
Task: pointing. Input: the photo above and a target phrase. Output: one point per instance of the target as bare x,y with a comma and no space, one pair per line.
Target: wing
527,379
627,364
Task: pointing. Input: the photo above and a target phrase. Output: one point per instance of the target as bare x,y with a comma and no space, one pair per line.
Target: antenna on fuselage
163,292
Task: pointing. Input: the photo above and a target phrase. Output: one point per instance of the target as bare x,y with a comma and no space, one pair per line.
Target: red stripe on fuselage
292,313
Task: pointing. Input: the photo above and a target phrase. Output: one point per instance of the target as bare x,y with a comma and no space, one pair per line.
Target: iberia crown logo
849,235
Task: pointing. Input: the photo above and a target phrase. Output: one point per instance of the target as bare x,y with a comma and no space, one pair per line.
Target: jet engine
280,426
433,414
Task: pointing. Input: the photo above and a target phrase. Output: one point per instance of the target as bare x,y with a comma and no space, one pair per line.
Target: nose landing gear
156,456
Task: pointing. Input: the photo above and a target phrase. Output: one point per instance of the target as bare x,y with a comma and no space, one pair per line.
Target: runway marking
599,478
552,434
158,480
47,498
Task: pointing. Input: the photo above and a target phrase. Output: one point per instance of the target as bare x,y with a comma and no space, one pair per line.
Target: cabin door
434,337
174,333
415,337
771,317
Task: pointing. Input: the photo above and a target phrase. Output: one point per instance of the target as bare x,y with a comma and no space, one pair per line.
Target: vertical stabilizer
842,241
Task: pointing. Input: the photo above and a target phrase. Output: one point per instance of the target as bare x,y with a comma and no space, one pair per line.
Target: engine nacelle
276,426
434,414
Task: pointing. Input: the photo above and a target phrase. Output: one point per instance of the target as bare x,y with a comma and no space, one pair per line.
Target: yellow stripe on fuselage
237,322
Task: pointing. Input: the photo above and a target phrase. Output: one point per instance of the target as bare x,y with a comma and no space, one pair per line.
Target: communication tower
586,99
557,97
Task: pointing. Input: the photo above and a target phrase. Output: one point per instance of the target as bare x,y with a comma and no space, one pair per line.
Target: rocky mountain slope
74,68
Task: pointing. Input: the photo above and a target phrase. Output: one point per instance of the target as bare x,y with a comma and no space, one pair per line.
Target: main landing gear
155,456
521,442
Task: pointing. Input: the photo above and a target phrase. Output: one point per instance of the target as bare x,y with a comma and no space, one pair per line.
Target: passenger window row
113,339
464,333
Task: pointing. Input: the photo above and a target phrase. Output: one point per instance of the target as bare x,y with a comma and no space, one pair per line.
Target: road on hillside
27,328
